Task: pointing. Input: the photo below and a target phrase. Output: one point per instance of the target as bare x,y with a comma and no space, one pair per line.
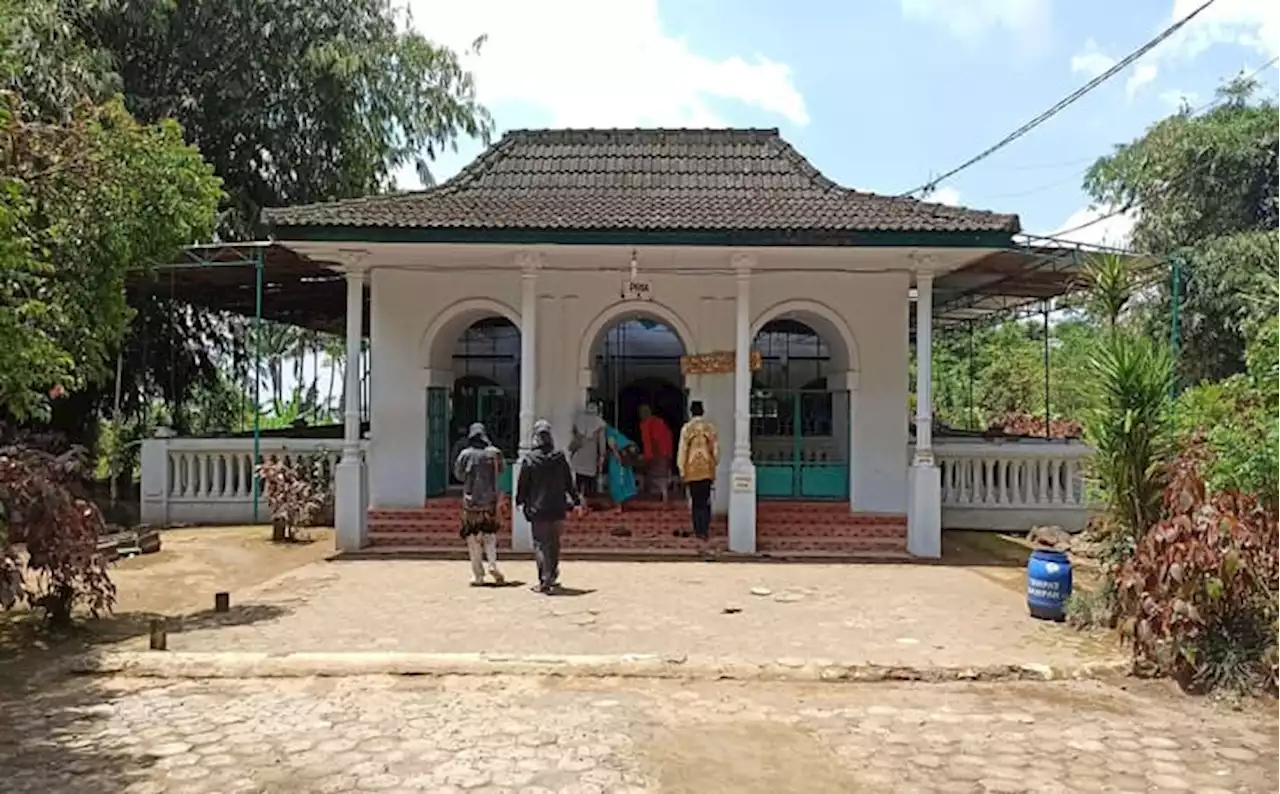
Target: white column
521,532
349,481
742,472
155,481
924,513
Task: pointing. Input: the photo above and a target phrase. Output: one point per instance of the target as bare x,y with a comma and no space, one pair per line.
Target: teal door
800,445
500,413
437,440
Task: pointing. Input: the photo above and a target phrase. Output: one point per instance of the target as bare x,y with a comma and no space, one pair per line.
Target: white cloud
971,19
1249,24
1253,24
1113,231
1091,61
945,195
1142,74
587,63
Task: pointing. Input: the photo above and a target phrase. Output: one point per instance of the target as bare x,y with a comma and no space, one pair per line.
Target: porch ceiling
1013,281
310,293
296,289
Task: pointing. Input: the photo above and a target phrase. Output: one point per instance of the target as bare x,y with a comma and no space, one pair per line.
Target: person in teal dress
622,480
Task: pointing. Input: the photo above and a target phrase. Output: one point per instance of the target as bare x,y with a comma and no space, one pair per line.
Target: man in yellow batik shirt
697,456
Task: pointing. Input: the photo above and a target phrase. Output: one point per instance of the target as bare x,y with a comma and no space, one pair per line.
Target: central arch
623,311
636,362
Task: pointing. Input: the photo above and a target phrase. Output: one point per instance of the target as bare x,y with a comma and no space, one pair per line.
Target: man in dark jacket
544,491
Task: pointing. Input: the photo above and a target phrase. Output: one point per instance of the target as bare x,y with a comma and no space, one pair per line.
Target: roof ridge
476,168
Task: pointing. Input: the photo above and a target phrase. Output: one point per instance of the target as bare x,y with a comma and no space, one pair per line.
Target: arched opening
483,359
799,414
637,362
486,385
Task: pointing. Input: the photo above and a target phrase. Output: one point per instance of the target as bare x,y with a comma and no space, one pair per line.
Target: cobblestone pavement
879,614
532,735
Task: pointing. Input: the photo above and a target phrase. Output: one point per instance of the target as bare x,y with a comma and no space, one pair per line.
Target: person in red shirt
658,447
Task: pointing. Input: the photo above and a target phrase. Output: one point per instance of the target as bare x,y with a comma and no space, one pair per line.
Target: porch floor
802,530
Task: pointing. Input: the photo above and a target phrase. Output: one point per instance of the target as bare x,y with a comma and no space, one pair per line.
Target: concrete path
535,735
911,615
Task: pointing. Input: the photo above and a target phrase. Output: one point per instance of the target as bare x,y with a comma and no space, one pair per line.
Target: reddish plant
42,502
292,493
1023,424
1198,597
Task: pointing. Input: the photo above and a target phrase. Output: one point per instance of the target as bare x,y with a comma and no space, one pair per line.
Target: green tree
81,203
1206,188
293,101
45,62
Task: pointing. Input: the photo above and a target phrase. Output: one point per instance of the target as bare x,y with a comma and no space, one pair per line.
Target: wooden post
221,602
159,636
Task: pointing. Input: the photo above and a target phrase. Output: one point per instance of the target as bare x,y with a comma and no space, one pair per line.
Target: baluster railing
1012,484
210,481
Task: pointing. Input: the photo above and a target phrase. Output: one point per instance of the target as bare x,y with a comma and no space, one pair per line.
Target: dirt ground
177,582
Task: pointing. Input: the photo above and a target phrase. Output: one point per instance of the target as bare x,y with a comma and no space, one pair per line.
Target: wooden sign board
721,362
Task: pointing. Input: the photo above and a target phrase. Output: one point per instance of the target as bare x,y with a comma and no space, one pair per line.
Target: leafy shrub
1130,430
1231,417
1198,597
292,493
41,501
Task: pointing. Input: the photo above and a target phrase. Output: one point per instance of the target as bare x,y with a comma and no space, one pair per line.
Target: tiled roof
644,179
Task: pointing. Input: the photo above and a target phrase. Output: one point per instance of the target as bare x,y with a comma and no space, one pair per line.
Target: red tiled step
816,528
833,545
569,542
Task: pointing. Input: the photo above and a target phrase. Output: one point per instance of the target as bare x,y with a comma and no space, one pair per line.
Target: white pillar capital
529,262
743,263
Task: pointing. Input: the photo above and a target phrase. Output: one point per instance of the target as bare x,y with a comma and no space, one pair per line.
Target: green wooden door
437,440
799,451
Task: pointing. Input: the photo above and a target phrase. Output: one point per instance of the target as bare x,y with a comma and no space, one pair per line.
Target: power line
1176,180
1063,103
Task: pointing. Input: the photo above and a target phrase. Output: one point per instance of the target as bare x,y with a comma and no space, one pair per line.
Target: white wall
575,309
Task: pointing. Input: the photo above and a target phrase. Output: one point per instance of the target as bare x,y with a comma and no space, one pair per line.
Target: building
647,266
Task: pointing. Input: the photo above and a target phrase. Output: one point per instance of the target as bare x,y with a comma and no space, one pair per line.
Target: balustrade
210,481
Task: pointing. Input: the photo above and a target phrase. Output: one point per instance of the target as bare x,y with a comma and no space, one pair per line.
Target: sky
879,95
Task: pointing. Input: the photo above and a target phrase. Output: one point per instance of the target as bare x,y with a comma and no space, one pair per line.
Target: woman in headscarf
621,452
587,449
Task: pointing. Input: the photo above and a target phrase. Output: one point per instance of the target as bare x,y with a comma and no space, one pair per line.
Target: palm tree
335,350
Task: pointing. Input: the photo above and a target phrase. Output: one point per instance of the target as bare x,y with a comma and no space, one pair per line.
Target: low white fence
1000,485
1013,485
210,480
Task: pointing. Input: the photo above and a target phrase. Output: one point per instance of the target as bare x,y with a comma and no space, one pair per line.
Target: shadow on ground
983,549
45,713
43,749
32,657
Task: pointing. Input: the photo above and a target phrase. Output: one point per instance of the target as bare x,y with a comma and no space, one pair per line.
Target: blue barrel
1048,584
